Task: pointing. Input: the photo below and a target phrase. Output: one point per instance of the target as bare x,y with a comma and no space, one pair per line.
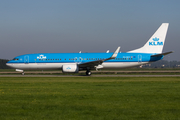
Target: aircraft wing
94,64
91,64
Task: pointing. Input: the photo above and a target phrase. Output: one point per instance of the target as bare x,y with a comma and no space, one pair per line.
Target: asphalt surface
112,72
90,76
163,73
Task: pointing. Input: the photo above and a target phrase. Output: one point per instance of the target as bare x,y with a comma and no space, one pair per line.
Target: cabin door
26,59
139,58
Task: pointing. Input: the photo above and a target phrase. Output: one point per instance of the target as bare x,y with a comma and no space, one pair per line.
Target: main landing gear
88,72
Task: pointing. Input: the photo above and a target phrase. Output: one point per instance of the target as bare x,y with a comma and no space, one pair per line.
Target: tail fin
156,42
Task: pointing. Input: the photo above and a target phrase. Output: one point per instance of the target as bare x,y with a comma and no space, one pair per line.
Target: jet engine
70,68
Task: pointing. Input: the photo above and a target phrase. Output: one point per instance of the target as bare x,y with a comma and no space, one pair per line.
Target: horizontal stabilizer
161,54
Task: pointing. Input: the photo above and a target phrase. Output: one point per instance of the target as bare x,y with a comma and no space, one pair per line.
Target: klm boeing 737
75,62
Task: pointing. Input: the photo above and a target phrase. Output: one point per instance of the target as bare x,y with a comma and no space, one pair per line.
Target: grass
90,98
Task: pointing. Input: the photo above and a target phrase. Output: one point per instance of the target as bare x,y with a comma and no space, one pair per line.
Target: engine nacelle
70,68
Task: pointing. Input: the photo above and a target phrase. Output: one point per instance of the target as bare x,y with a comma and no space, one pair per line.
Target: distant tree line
3,64
163,64
158,64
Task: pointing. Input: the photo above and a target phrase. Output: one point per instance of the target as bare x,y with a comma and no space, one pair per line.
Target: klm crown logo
155,42
68,68
41,57
156,39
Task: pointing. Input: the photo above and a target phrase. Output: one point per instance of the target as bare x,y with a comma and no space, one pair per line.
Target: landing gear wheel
22,73
88,73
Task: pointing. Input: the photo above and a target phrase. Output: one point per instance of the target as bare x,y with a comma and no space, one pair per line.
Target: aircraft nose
9,64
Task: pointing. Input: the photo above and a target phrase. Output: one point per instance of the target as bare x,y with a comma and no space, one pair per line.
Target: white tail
156,42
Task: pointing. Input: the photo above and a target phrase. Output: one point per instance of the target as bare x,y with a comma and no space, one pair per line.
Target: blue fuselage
57,60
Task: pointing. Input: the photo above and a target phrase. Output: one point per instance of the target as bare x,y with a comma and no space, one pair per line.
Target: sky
63,26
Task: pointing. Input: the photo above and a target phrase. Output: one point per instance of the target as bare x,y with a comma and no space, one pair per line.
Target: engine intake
70,68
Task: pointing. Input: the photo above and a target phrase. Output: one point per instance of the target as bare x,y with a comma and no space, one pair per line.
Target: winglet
115,53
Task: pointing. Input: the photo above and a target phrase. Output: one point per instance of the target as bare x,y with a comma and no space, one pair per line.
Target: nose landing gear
88,72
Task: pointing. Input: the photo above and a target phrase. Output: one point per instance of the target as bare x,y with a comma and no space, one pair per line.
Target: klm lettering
155,43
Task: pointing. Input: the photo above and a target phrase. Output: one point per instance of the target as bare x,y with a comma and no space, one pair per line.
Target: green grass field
89,98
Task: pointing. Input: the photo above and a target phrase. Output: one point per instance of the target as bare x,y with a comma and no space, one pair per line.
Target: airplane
75,62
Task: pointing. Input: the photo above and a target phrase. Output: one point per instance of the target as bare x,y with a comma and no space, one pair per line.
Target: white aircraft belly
121,64
105,65
24,66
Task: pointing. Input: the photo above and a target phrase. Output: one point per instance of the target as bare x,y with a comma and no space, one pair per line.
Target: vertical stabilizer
156,42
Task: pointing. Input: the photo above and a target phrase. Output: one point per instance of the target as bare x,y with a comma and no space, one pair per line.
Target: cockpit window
16,59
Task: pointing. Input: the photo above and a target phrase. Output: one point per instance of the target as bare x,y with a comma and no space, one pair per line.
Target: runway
90,76
139,73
